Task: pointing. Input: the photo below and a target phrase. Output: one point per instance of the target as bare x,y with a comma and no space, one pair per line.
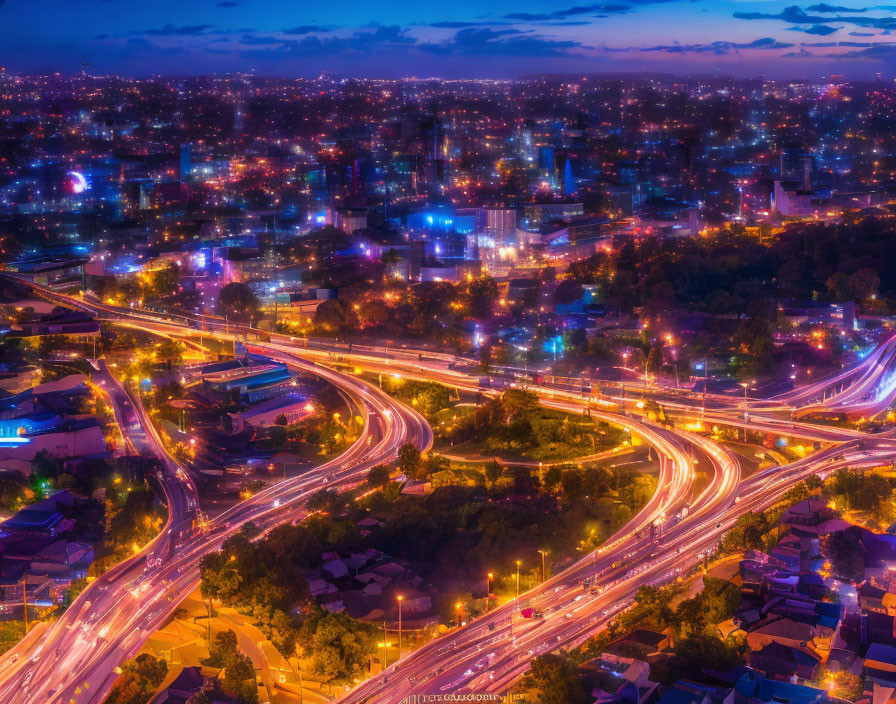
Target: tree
493,472
552,476
160,283
379,475
813,483
138,682
567,291
518,401
239,675
863,284
555,680
338,644
842,549
294,544
277,436
336,317
281,420
747,533
409,461
481,296
753,340
431,398
698,652
171,351
842,684
238,302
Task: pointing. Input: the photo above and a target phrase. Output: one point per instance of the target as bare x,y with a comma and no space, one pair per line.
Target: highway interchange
73,660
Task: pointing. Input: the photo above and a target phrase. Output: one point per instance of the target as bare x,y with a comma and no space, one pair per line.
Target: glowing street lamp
400,600
488,589
518,563
543,573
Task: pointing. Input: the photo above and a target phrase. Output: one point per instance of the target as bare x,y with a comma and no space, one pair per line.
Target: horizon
273,38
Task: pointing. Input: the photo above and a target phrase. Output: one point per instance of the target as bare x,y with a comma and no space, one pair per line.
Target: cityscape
522,353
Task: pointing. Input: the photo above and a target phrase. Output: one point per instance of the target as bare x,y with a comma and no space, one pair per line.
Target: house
796,551
780,661
880,664
687,692
75,437
774,628
265,414
823,617
648,642
756,687
189,682
806,516
872,597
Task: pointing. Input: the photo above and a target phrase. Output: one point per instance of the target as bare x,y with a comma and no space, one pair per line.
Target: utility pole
400,599
25,601
488,589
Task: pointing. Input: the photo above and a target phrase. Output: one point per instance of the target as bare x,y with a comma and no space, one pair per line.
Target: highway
492,651
74,660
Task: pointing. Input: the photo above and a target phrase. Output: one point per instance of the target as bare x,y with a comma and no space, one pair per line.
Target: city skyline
464,40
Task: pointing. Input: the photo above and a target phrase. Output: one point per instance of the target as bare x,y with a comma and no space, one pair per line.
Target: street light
400,599
458,606
543,574
518,563
488,589
745,385
624,367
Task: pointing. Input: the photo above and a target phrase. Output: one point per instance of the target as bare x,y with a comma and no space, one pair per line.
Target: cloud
861,34
824,7
460,24
506,42
170,30
881,51
821,30
380,36
801,54
845,44
303,29
594,9
794,15
254,40
719,47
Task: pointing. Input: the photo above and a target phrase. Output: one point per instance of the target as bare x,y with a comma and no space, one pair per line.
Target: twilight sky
462,38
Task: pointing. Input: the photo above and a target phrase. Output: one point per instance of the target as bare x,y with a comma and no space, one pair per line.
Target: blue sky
463,38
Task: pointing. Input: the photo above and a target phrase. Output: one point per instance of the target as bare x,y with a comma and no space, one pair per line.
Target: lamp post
745,384
518,579
624,368
488,589
543,573
458,606
400,599
705,381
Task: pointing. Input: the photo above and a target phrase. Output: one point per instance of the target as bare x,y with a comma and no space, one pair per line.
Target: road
493,651
110,620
